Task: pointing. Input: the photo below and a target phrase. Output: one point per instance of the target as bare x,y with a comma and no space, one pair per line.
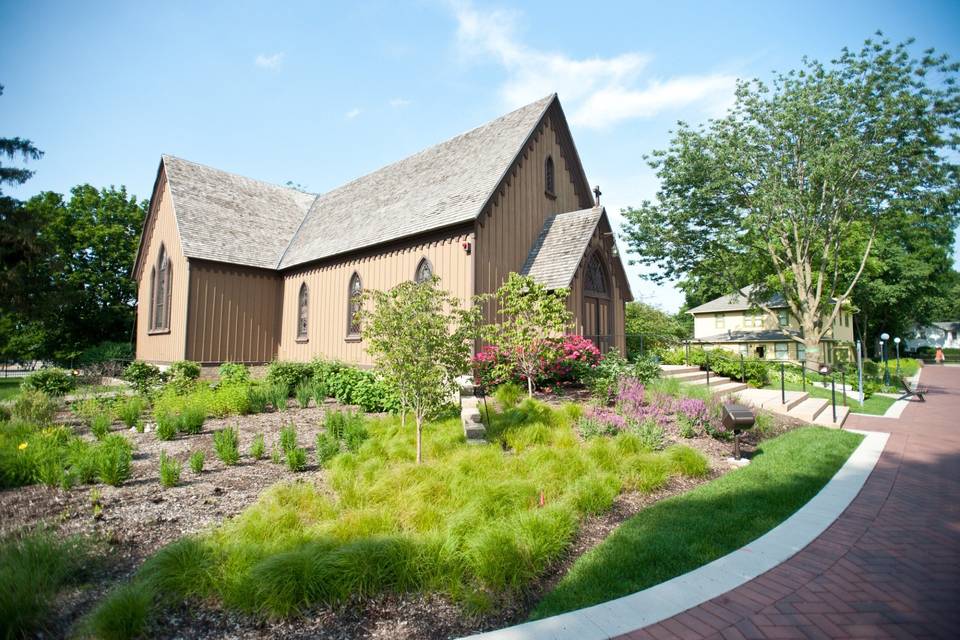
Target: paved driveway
889,567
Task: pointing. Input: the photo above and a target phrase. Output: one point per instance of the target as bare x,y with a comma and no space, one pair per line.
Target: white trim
669,598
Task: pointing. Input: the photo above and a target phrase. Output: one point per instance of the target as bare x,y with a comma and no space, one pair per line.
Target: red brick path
889,567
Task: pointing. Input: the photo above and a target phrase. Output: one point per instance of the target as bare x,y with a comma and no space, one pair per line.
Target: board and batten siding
234,313
161,229
604,244
512,221
327,286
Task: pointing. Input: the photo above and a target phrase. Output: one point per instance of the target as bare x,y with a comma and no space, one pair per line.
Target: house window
353,305
782,349
161,278
548,176
424,271
719,322
801,352
783,317
745,350
302,306
753,320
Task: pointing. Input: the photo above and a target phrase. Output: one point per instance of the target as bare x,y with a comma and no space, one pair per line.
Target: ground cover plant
52,381
474,522
690,530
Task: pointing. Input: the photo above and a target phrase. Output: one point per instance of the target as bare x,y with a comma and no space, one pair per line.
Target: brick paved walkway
889,567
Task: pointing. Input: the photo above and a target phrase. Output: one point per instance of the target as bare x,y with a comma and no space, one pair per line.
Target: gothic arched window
424,271
549,180
353,305
161,290
303,303
596,277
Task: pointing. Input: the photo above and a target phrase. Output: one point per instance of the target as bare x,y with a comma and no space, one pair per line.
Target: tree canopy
791,190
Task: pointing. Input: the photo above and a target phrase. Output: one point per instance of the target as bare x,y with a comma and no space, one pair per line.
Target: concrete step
689,376
809,409
771,400
825,419
714,381
674,369
727,388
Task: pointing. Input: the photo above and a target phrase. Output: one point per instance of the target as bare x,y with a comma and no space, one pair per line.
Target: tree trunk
419,432
811,345
529,386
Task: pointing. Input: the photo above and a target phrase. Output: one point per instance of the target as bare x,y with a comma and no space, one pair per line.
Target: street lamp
884,338
896,341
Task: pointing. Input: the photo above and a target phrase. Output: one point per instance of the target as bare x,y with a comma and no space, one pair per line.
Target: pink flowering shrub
568,359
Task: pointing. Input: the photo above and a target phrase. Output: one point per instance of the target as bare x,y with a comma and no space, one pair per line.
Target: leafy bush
106,352
167,425
143,376
288,374
34,406
52,381
327,447
169,470
232,373
113,460
226,444
100,426
182,375
196,462
229,400
605,377
303,393
297,459
128,410
571,360
258,447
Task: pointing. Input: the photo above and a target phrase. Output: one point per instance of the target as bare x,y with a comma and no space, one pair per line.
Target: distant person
939,356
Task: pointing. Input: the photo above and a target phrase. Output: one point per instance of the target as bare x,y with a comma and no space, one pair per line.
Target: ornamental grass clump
170,469
278,394
167,425
115,454
303,393
258,447
128,410
297,459
100,425
197,458
226,444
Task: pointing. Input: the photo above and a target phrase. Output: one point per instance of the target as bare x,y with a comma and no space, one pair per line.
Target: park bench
917,390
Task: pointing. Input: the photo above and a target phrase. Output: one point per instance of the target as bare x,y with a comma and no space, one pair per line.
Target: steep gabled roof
441,186
229,218
737,302
557,251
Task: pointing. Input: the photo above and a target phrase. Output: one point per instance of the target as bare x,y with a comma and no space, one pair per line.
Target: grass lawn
874,405
9,387
688,531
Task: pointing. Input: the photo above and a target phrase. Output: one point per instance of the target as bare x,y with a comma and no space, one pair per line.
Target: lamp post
896,341
884,339
824,371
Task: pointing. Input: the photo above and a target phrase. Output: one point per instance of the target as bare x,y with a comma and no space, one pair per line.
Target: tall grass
476,523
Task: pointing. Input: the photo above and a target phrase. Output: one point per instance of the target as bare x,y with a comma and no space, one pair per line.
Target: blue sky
320,93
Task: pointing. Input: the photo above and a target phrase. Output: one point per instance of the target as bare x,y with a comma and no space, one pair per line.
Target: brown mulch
140,517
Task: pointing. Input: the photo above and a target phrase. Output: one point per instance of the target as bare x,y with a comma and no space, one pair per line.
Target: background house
730,322
933,335
234,269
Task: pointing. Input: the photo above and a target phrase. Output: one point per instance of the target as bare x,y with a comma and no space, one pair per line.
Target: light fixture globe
884,336
896,341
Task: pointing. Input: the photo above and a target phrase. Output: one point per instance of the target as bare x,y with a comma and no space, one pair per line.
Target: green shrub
34,406
229,400
604,378
100,426
106,352
33,568
297,459
288,374
327,448
645,369
226,444
232,373
288,437
167,425
114,456
258,397
509,394
303,393
184,371
170,469
278,396
196,462
258,447
142,376
129,410
52,381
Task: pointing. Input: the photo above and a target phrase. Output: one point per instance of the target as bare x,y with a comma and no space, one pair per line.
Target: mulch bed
140,517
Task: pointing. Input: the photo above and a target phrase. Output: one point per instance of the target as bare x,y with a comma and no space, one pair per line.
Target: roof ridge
164,156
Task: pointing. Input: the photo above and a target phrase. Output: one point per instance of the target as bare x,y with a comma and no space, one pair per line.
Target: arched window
424,271
153,296
353,305
302,306
548,175
161,292
596,277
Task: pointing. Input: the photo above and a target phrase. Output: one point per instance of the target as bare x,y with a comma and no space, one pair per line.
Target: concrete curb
647,607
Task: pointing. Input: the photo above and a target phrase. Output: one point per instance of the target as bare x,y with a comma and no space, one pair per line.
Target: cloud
353,113
271,61
602,91
396,103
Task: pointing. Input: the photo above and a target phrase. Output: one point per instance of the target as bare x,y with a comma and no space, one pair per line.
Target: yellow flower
23,445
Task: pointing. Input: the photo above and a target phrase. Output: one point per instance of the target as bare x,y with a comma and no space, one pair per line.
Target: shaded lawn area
688,531
874,405
9,387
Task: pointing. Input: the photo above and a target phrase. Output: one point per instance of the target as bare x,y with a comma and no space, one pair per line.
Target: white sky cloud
396,103
269,61
599,91
353,113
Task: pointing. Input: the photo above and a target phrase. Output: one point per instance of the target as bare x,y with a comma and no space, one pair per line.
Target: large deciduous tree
789,189
421,340
652,328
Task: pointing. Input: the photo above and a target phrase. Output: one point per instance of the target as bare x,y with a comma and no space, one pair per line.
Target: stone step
825,419
689,376
809,409
466,390
674,369
727,388
470,415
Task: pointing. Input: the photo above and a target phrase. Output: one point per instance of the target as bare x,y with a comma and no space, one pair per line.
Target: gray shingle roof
556,253
736,302
438,187
229,218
